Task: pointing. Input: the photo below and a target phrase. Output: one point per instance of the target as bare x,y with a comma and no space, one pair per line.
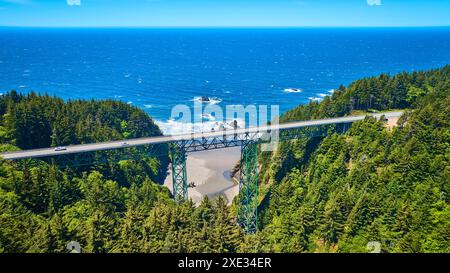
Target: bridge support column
179,174
248,187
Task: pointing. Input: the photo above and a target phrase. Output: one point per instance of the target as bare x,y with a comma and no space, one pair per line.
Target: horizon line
222,27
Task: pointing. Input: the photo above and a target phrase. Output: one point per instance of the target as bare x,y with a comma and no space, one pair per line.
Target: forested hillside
370,184
332,194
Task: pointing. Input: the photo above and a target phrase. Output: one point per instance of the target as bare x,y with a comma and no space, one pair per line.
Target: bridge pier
179,173
248,187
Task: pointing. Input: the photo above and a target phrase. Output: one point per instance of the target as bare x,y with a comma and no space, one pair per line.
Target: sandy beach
210,171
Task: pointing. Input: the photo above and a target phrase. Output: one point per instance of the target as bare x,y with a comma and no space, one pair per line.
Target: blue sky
95,13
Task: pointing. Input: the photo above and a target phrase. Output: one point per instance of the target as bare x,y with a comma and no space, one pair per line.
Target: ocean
158,68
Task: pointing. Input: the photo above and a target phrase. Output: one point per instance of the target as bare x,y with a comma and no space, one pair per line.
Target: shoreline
211,173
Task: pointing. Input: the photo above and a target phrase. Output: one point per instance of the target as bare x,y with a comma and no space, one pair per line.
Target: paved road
167,139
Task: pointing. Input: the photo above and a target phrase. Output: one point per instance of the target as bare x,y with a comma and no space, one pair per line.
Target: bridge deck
185,137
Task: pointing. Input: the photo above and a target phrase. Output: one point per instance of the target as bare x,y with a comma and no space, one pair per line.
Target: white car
60,149
124,144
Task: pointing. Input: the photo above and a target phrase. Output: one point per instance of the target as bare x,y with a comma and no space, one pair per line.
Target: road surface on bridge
83,148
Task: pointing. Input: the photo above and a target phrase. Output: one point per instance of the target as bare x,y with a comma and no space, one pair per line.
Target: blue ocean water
156,69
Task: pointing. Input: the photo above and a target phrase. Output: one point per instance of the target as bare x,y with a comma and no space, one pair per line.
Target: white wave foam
322,95
215,101
208,117
173,127
332,91
314,99
148,106
293,90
